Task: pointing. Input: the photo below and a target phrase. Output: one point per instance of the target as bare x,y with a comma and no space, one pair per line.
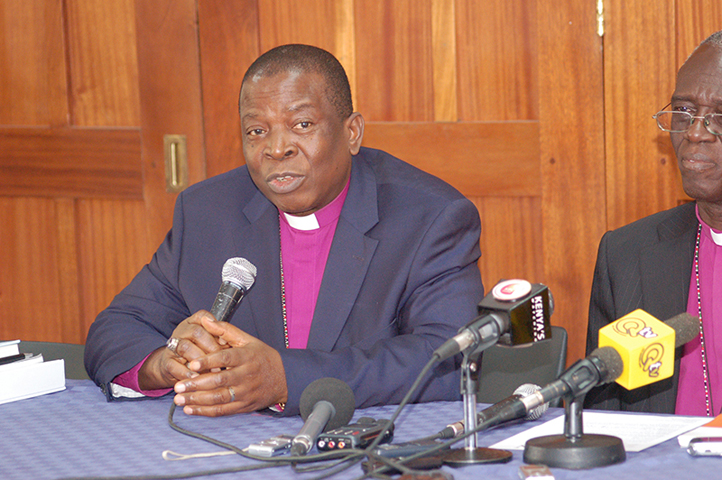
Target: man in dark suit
671,262
365,264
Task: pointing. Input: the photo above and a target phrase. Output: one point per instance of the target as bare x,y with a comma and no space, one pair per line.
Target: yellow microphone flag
646,346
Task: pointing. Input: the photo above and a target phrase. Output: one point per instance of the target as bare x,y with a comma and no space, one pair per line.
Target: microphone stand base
460,457
587,451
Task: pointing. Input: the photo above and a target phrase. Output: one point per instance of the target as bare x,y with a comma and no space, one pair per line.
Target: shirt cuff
129,380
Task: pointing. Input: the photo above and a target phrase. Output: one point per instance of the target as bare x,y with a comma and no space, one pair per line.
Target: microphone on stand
516,312
498,413
636,350
238,275
626,362
326,403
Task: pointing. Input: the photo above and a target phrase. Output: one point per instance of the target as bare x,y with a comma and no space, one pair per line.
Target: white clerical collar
307,222
717,237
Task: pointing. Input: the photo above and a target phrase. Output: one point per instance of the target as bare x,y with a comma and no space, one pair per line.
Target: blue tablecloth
76,433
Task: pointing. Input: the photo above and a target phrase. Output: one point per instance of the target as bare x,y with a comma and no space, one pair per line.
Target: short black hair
307,59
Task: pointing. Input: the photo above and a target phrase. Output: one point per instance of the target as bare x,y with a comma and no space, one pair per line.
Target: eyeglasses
680,122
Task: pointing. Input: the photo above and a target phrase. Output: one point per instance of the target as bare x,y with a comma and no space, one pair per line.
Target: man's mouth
284,183
697,164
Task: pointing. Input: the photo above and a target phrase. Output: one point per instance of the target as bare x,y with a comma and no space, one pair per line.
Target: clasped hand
217,369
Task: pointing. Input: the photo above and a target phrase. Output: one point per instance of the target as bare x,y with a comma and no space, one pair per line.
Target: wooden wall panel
228,45
394,60
32,63
695,20
70,162
487,159
497,57
314,23
170,100
72,329
443,51
511,239
571,107
115,245
103,63
642,174
30,283
56,54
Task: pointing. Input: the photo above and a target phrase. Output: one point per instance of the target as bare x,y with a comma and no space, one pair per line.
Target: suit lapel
348,260
261,246
665,291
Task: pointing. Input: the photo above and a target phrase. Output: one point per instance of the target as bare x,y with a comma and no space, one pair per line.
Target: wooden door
88,90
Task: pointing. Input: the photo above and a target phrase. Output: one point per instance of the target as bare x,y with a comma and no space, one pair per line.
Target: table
76,433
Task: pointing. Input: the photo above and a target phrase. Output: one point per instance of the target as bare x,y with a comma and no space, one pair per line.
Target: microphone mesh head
612,361
528,389
239,272
686,328
334,391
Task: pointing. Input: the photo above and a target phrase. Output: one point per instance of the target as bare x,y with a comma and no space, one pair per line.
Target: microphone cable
274,461
398,463
266,462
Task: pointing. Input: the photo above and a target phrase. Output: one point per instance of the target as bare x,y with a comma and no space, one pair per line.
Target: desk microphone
327,403
516,312
491,414
626,359
636,350
238,275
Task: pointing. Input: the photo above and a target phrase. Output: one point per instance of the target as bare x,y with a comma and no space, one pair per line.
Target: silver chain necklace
283,286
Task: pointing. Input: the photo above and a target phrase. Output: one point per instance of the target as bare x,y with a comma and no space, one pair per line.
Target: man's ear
354,125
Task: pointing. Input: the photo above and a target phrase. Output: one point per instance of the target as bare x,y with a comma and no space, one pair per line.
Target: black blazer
646,264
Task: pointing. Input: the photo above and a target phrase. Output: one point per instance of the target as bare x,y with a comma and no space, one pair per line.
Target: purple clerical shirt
691,393
305,244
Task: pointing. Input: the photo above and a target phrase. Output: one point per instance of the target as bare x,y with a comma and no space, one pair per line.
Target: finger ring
172,344
233,394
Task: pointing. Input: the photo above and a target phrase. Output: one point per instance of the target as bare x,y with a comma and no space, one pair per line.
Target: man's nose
698,131
279,146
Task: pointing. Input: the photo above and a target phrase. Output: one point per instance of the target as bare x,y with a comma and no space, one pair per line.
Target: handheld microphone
238,275
606,364
492,416
327,403
516,312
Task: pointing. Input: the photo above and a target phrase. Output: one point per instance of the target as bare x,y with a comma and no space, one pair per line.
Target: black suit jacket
646,264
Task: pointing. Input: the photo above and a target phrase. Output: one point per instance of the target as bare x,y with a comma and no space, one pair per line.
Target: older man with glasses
671,262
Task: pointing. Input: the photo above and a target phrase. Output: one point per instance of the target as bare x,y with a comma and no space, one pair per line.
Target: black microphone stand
574,450
471,453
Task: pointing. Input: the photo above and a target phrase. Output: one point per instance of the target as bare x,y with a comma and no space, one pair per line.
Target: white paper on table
638,432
